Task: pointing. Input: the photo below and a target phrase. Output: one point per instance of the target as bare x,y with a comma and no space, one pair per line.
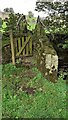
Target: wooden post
12,47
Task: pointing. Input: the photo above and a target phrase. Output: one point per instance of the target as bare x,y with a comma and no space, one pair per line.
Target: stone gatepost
47,60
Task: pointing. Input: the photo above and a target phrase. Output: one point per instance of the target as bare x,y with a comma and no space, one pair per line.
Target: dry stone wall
47,61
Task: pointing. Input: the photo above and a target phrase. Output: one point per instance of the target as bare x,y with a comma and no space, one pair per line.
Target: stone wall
47,61
46,56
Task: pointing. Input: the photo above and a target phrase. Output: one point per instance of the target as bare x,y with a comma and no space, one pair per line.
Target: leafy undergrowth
48,100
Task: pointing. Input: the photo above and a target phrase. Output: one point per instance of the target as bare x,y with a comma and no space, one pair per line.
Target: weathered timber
12,47
25,43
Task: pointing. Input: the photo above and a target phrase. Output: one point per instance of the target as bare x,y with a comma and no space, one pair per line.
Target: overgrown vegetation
25,92
56,22
48,100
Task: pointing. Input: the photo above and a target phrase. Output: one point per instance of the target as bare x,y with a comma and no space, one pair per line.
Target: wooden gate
21,45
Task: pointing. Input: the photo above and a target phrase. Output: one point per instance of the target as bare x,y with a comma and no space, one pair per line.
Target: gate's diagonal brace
23,46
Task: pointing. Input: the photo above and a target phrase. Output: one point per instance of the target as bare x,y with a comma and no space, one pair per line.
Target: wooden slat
30,45
16,50
23,46
27,48
12,47
19,43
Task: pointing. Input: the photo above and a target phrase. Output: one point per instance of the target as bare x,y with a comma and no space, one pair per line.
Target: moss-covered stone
47,59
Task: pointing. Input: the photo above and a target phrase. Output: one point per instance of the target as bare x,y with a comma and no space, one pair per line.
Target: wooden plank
12,47
30,46
27,47
16,50
23,47
19,43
